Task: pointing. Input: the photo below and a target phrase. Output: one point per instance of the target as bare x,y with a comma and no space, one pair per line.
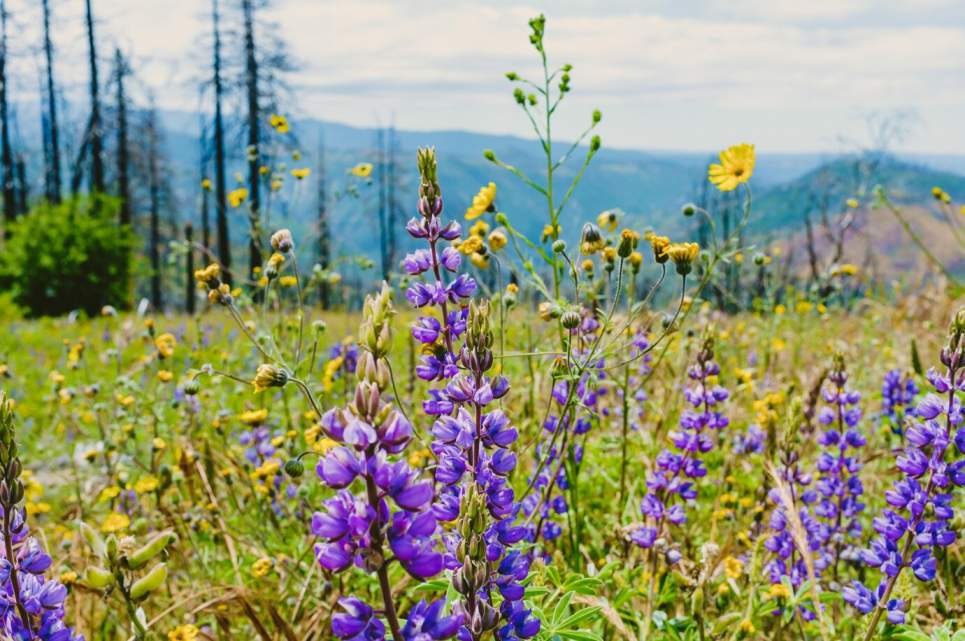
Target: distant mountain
648,185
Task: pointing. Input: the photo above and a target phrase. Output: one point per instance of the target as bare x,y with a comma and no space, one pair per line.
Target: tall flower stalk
917,525
362,527
32,605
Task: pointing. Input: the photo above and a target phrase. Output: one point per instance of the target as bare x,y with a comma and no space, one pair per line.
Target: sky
787,75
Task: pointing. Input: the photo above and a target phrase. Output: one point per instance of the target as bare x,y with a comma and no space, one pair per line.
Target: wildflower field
604,430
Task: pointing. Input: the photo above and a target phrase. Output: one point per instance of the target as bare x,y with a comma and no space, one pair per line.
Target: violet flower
917,522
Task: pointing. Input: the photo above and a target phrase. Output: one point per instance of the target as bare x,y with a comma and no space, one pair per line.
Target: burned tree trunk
154,196
52,159
96,133
123,182
190,292
6,155
254,178
221,198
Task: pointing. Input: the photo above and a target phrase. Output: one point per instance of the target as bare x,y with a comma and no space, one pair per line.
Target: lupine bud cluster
676,472
917,524
32,605
355,526
440,362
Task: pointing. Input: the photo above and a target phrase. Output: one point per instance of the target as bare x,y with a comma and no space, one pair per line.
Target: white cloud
786,74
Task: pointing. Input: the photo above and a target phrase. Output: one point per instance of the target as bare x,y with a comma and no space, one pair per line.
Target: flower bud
559,246
294,468
570,319
281,241
689,210
269,376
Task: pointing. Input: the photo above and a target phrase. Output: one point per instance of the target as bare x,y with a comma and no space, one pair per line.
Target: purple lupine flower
427,622
898,399
839,489
471,444
920,523
672,480
393,508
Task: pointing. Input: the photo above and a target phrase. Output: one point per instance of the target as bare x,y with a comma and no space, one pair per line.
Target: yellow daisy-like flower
733,567
287,281
206,184
480,261
253,417
158,443
301,172
852,203
279,123
115,522
847,269
186,632
165,376
471,245
261,567
736,167
481,202
237,196
146,484
548,232
779,591
362,170
165,344
607,220
497,240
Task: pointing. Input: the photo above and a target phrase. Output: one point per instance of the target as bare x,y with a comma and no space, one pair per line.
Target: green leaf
579,616
560,610
579,635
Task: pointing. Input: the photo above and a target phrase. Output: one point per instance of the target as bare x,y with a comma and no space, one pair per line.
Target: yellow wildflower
279,123
165,376
736,167
482,202
328,375
470,245
237,196
480,261
607,220
165,344
115,522
206,184
261,567
747,626
852,203
779,591
186,632
733,567
158,443
146,484
362,170
288,281
301,173
253,417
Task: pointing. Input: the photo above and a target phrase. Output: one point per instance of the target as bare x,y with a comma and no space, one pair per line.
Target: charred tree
254,177
95,132
220,189
324,241
123,179
51,131
6,155
191,289
154,199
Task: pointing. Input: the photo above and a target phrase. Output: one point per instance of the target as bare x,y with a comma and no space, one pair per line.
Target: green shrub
69,256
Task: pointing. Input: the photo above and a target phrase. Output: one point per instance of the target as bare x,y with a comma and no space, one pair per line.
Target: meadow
599,433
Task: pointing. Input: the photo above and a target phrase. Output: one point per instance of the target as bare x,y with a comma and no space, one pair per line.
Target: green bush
69,256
